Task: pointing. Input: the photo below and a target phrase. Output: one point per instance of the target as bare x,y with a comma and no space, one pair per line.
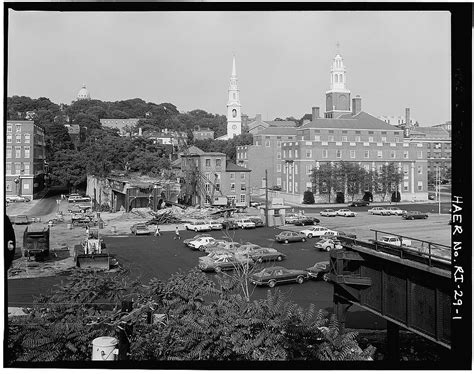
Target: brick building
258,125
211,174
25,158
203,133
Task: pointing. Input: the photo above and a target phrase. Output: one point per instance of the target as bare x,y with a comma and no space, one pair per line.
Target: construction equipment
36,243
92,253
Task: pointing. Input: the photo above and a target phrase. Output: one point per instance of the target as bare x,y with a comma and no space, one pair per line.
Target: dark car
431,196
278,274
415,215
223,262
275,188
347,234
290,236
320,270
258,221
260,254
229,225
359,203
302,221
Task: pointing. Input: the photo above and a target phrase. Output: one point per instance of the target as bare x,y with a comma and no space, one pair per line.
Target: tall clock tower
234,120
338,98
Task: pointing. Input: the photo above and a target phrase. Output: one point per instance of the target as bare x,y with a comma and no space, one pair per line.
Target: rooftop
361,120
235,168
278,131
430,133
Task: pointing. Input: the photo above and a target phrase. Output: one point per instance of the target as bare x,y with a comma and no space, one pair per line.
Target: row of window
17,168
243,187
218,162
26,139
232,175
26,152
17,128
339,153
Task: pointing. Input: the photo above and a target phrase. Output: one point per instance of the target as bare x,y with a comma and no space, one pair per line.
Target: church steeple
234,122
338,96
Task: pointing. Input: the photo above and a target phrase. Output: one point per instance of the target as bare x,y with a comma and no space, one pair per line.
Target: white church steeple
338,96
234,120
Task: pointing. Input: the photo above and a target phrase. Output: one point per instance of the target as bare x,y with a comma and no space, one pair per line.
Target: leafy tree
388,180
68,168
57,138
308,197
324,178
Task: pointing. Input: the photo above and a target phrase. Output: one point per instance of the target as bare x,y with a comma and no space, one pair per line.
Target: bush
340,198
368,196
396,197
308,197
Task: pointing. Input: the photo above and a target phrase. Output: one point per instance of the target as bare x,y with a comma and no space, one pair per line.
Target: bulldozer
92,253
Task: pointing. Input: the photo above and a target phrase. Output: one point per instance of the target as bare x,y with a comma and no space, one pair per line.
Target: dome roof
83,93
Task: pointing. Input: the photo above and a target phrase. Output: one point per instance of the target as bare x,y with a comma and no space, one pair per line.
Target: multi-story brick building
211,174
25,158
203,133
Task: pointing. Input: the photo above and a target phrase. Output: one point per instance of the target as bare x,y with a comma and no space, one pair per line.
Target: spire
337,47
234,73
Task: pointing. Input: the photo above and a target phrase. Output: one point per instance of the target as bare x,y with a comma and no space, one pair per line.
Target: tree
57,138
325,178
308,197
387,180
68,168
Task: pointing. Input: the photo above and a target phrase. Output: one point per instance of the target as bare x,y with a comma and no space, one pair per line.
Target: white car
379,211
215,225
245,223
17,199
202,242
315,231
328,213
346,213
198,226
396,211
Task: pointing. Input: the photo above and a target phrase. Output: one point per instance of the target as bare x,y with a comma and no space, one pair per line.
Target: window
242,187
232,186
384,139
18,127
278,181
405,169
317,138
308,169
405,186
290,153
397,139
309,153
284,153
267,143
344,138
18,138
325,153
330,138
353,154
278,155
278,168
296,186
208,162
393,154
420,154
371,139
338,153
218,162
17,152
366,154
26,166
296,153
208,187
17,167
232,176
278,143
420,186
405,154
245,154
9,128
296,169
8,186
8,167
242,175
420,169
9,152
379,154
257,142
357,138
242,198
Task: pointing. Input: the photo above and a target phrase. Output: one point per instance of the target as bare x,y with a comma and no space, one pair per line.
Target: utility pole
438,173
266,197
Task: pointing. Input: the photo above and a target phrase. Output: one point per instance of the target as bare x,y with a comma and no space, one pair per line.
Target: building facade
258,125
25,158
83,93
124,125
203,134
209,175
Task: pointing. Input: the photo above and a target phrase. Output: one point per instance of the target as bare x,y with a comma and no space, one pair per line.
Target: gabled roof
361,120
278,131
230,166
193,150
431,132
282,123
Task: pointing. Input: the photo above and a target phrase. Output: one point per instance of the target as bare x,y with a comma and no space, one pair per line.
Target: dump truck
36,243
92,253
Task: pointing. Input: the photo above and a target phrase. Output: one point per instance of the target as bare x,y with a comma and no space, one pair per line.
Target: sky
394,60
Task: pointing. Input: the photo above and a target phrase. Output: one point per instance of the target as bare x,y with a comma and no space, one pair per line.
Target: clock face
234,127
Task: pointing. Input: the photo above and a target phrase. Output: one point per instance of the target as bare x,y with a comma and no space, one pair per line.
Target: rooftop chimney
356,105
315,113
406,130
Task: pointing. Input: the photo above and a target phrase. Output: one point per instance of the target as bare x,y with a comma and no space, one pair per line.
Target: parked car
21,219
291,217
379,211
290,236
314,231
222,245
320,270
214,225
415,215
275,188
195,237
358,203
255,204
229,225
258,221
346,213
17,199
76,198
260,254
198,226
431,196
201,243
327,243
245,223
394,240
274,275
303,221
223,262
395,211
328,213
140,229
346,234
